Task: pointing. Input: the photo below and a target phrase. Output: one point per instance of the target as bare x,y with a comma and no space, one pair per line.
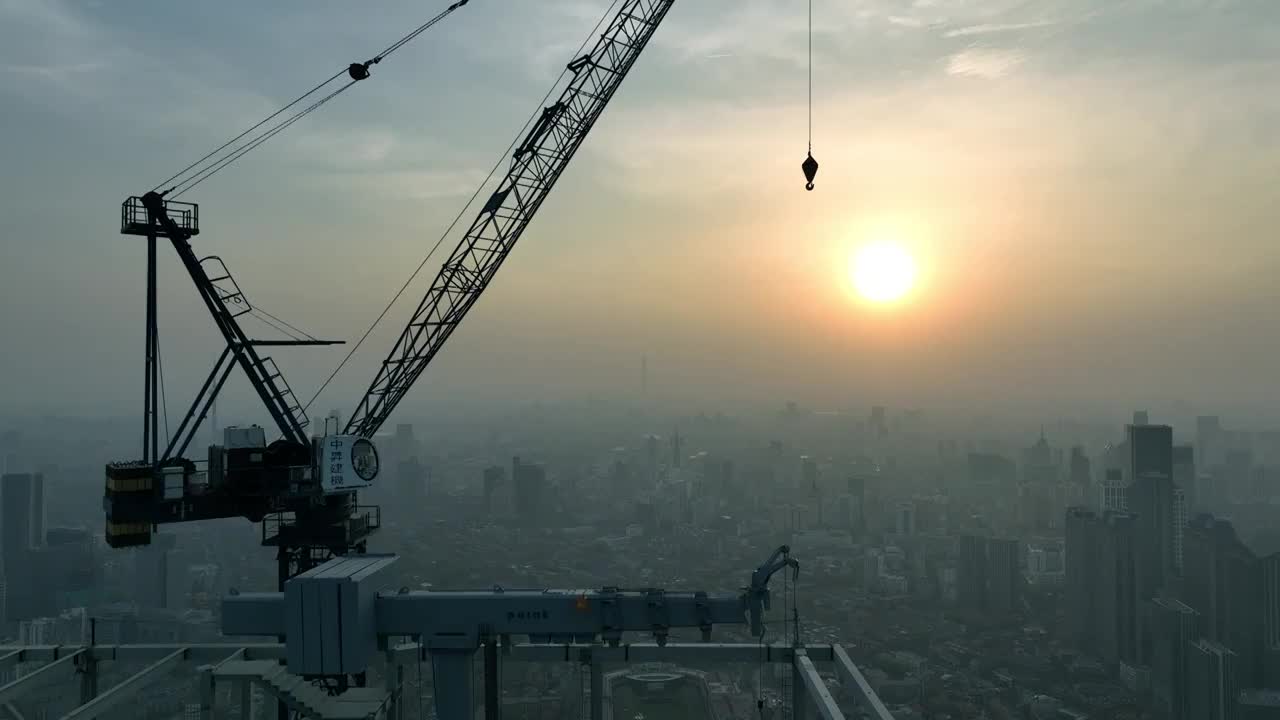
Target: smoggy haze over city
1088,188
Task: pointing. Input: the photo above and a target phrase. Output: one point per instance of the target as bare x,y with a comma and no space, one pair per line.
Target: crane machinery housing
303,489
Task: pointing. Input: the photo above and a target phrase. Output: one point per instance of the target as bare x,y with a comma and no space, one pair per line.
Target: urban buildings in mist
1114,568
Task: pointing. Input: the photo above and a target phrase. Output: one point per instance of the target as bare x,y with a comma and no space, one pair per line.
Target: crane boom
536,163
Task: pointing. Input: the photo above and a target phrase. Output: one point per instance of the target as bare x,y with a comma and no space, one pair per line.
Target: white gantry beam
143,653
818,691
124,691
64,665
852,676
652,652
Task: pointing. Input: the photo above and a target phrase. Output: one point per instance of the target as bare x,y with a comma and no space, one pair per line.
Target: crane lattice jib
536,164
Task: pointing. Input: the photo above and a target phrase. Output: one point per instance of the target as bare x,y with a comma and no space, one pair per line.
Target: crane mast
536,163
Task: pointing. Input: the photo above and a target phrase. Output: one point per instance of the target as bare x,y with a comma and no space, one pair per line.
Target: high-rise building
651,458
151,567
1224,581
1271,620
857,504
69,568
1080,470
1214,687
1150,450
21,534
529,481
1080,591
988,581
1209,440
1113,494
808,473
494,479
1175,626
1151,498
1184,474
1180,517
1141,417
412,482
905,518
1101,584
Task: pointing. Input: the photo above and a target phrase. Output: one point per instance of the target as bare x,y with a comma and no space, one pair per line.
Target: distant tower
213,424
644,375
675,449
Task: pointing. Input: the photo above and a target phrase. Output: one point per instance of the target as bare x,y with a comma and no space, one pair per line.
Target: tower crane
303,489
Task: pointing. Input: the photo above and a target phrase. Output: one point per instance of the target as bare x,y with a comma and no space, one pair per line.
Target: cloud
992,28
987,64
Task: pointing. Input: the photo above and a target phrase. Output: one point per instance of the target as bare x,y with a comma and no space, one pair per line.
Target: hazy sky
1091,188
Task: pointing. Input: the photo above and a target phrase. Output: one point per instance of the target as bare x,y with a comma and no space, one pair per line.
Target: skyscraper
1081,474
1175,627
1119,587
152,572
1212,692
1184,474
1271,620
1224,581
529,481
1150,450
494,480
1151,498
808,473
1209,440
1080,591
21,533
988,579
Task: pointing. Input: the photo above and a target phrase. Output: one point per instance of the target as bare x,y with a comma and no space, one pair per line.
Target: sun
883,272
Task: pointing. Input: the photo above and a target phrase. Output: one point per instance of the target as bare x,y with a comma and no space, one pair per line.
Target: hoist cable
216,167
185,175
458,218
421,28
262,122
811,77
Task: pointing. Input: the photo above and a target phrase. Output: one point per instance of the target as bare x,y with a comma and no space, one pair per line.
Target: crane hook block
810,168
358,71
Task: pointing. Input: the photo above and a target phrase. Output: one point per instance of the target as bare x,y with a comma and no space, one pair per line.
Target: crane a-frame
304,489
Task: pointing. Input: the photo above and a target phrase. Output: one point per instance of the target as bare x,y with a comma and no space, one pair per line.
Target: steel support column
393,672
246,699
87,667
492,681
207,695
597,688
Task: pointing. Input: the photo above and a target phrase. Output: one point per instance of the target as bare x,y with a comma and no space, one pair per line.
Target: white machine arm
333,617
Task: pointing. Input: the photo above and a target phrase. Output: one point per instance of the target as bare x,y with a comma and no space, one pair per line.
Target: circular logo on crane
364,459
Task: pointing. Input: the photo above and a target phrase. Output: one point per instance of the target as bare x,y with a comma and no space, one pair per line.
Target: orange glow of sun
882,272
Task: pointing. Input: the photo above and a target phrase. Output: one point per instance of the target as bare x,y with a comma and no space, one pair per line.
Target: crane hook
810,168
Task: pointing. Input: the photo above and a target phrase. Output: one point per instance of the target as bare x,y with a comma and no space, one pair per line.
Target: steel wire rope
252,144
449,230
213,169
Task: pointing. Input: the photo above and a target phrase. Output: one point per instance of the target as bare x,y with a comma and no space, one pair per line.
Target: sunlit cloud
993,28
987,64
